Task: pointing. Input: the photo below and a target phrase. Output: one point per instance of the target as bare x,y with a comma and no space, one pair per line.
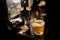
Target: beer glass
37,23
38,26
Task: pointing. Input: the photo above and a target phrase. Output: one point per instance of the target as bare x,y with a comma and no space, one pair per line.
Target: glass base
41,33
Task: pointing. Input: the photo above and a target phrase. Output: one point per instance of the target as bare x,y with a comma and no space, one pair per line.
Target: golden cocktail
38,27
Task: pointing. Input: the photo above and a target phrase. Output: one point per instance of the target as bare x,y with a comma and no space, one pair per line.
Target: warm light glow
42,3
16,1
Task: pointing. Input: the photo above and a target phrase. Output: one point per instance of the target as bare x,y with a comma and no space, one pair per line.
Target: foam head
38,23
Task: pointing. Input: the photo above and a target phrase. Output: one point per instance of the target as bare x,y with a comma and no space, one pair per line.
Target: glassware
38,26
37,22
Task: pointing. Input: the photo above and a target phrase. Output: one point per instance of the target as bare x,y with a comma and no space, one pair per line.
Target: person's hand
22,9
28,8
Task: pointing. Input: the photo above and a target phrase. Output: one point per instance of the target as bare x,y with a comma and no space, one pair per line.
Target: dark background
52,22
